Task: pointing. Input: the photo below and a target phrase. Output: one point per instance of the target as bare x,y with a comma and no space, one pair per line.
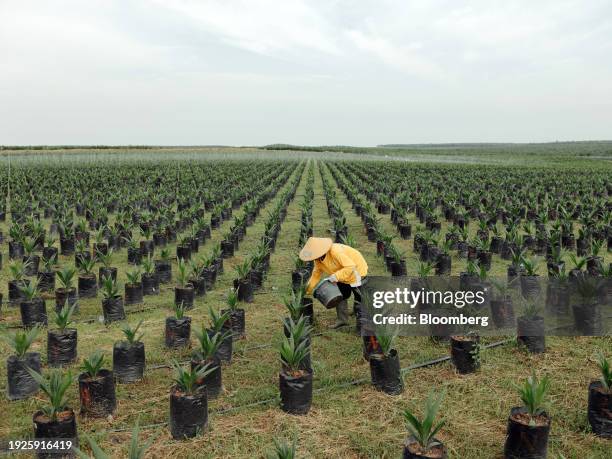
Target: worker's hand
332,279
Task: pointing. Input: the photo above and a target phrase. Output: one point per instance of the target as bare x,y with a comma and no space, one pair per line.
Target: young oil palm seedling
107,269
236,315
133,287
66,292
112,302
17,270
134,255
129,355
82,252
46,277
295,382
134,451
284,449
163,266
17,235
147,245
87,282
30,259
183,291
385,365
243,285
530,280
594,260
66,231
196,278
96,387
502,307
189,402
183,248
62,342
20,384
57,419
422,442
600,400
100,247
300,274
150,278
530,328
49,250
220,323
397,263
208,354
178,328
529,424
32,307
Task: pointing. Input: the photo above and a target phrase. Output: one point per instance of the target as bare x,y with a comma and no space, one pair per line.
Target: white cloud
306,71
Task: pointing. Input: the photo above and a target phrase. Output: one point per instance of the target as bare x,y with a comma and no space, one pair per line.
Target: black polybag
128,361
295,392
20,383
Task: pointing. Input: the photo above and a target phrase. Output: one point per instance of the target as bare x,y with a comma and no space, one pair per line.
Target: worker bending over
342,264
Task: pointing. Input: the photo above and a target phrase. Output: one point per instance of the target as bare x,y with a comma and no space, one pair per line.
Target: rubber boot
342,315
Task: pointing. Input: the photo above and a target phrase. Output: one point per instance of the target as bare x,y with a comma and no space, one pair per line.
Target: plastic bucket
328,294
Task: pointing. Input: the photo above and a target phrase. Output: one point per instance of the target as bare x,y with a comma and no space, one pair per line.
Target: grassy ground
346,420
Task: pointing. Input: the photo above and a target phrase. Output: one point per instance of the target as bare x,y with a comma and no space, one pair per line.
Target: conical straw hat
315,248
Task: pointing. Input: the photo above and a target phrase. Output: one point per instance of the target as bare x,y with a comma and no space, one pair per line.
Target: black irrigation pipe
352,383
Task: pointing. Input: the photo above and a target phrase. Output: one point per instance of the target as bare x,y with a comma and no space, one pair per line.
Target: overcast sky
184,72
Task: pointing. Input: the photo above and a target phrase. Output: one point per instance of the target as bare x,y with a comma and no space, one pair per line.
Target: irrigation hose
352,383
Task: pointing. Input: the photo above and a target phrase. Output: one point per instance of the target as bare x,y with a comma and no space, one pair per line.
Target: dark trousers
346,291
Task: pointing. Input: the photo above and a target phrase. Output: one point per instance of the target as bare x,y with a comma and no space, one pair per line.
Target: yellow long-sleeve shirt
342,261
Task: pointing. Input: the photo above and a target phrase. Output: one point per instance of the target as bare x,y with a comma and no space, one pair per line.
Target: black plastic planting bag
524,441
188,413
600,410
88,286
227,345
385,373
150,284
163,269
14,291
63,297
97,394
133,293
61,347
63,427
199,286
530,333
530,286
502,312
128,361
295,392
213,381
178,332
46,281
20,382
464,354
237,322
33,312
244,290
113,310
588,319
184,296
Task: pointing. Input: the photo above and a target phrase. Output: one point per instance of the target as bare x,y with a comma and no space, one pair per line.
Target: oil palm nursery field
153,305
